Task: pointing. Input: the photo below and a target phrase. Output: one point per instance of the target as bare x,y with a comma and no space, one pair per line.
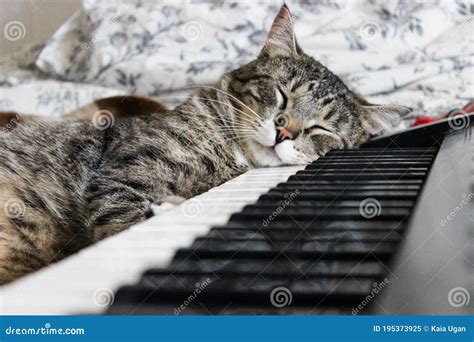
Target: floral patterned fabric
416,53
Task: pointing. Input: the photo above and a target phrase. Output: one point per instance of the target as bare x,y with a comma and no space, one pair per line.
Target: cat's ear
281,40
381,119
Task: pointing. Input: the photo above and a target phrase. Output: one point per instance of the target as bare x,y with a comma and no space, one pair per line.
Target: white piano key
263,184
275,170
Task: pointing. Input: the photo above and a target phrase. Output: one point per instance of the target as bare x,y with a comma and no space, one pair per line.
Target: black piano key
346,250
347,195
382,166
265,211
301,235
316,247
372,160
359,165
303,217
346,187
376,157
176,288
334,224
308,180
380,151
390,151
358,182
307,175
277,266
356,168
270,201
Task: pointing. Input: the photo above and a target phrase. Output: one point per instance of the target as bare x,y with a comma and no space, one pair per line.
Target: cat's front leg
113,207
325,143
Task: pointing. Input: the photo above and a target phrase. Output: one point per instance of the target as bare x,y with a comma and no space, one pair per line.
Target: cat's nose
287,127
285,133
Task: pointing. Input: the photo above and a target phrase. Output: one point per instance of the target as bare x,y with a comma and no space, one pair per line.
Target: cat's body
65,185
76,184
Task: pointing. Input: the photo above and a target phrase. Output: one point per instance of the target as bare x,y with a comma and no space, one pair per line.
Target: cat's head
290,109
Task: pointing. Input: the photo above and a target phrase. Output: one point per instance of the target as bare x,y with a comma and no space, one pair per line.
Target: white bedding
415,53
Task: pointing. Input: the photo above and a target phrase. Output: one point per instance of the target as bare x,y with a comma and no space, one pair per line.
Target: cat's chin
262,155
281,154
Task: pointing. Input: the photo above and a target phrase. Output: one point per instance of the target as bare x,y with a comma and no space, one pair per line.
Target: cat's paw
157,209
164,204
174,200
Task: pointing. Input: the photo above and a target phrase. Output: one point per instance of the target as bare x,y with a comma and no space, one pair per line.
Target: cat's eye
282,99
314,127
253,94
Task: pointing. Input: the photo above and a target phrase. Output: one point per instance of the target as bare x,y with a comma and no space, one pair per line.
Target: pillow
149,47
106,33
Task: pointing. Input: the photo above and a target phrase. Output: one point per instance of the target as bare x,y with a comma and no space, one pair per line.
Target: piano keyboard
315,239
325,247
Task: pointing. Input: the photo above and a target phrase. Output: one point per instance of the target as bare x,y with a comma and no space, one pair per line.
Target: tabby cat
66,185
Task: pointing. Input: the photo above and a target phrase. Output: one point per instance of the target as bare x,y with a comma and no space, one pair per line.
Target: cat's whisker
228,129
221,102
239,130
247,117
250,125
222,130
230,95
248,135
